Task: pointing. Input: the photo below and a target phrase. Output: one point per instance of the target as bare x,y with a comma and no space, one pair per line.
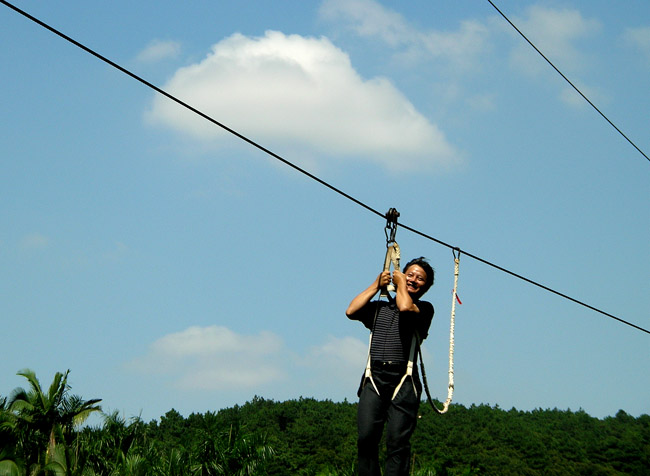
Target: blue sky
168,264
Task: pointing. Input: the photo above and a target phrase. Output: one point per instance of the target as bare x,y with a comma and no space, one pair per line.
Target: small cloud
337,363
639,38
34,241
554,32
118,252
370,19
159,50
213,358
482,102
301,94
216,359
462,47
214,340
338,353
570,96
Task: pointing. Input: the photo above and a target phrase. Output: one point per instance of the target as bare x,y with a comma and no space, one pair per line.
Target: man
393,324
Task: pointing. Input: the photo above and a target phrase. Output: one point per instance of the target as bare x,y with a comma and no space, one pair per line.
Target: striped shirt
386,344
392,331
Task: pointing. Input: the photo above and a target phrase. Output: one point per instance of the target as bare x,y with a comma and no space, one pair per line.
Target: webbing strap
409,367
392,257
368,374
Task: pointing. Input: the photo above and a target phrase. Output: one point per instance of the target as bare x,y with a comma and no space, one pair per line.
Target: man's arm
402,297
365,296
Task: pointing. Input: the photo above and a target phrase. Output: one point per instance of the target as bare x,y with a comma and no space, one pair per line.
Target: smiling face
416,280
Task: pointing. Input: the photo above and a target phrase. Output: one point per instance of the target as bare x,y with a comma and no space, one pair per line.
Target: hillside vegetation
40,434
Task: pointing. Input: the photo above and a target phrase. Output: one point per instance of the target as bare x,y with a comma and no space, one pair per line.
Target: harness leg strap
409,368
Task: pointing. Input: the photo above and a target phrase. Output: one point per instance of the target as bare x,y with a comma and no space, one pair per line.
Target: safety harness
393,257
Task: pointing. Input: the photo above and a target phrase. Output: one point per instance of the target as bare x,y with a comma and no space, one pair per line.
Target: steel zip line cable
299,169
568,81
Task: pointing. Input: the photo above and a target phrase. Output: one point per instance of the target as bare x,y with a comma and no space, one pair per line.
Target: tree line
42,433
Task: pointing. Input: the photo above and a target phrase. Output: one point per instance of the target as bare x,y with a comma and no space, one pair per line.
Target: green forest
42,432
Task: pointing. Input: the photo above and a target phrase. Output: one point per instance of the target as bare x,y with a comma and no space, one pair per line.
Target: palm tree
242,454
10,464
118,446
45,420
176,463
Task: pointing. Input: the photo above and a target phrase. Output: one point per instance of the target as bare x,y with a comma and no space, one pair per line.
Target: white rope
452,325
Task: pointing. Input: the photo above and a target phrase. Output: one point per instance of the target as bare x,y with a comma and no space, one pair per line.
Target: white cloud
216,359
226,377
482,102
119,251
158,50
461,47
214,340
288,92
554,33
639,38
571,97
368,18
34,241
213,358
337,353
335,366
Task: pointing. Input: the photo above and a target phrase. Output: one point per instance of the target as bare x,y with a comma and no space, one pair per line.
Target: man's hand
399,279
383,279
402,297
364,297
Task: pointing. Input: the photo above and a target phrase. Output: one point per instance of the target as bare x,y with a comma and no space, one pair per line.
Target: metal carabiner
391,225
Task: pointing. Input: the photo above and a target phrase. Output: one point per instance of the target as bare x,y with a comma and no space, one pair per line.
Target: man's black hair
424,264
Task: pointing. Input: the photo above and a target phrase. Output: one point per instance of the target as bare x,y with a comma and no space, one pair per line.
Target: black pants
399,415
